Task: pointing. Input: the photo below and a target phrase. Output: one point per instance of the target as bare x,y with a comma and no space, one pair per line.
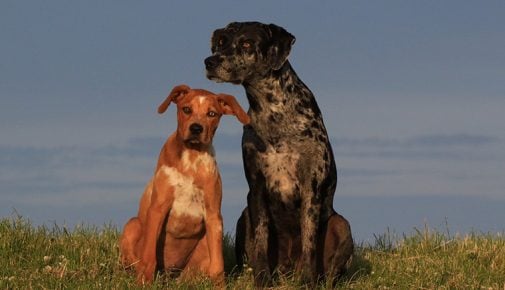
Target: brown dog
179,225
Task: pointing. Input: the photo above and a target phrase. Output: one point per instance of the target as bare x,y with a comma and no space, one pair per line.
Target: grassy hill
88,258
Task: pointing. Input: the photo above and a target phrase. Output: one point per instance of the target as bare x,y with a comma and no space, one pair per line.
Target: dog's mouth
215,71
193,140
214,76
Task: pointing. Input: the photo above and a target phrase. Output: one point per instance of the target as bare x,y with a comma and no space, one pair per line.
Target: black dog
289,223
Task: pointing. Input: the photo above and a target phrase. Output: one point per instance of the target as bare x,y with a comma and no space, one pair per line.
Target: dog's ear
214,40
233,27
281,42
230,106
175,95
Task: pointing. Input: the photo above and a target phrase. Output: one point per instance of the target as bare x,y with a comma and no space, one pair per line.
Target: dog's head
199,112
244,50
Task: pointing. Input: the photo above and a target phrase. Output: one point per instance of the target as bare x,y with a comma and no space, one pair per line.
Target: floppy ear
175,95
280,45
216,35
214,39
233,27
230,106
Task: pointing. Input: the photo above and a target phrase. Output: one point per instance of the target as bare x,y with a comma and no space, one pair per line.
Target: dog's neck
175,150
197,148
271,80
276,87
281,91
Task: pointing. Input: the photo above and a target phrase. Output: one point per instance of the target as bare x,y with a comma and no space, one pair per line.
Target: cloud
430,141
72,173
85,182
89,172
436,146
366,173
445,165
62,169
97,183
460,140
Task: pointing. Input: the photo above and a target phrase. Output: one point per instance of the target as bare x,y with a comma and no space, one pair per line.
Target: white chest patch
188,199
281,172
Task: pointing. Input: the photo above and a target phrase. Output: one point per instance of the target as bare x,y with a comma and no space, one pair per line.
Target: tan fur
185,192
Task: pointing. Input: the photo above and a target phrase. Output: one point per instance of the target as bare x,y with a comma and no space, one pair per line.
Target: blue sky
412,94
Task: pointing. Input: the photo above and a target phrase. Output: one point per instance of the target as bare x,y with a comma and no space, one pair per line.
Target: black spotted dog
289,223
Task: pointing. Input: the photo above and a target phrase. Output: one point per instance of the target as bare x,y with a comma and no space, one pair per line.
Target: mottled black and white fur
289,223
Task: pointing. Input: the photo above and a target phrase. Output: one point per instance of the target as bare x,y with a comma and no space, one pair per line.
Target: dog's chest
282,116
188,199
187,212
280,170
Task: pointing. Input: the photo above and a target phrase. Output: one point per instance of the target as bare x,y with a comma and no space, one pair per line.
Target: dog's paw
306,270
217,276
145,273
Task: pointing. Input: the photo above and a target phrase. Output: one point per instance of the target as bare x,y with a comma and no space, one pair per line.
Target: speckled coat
288,160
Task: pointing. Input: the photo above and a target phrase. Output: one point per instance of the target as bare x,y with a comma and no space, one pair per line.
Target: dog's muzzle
212,62
195,134
195,129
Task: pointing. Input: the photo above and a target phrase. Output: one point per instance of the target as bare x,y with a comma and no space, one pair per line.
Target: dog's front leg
214,230
259,259
256,244
146,266
161,201
310,212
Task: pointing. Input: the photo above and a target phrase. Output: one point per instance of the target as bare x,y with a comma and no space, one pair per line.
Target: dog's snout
212,62
195,128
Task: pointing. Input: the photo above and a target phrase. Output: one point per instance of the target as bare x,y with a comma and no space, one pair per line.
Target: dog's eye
222,41
186,110
212,114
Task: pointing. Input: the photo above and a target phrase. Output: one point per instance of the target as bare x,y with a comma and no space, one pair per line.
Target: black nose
212,62
195,128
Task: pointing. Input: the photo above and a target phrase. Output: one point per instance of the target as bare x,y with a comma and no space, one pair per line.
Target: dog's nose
211,62
195,128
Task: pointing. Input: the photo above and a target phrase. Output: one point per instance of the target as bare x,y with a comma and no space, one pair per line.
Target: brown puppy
179,225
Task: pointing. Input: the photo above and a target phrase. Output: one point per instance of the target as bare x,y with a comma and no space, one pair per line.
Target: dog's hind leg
338,246
240,240
128,242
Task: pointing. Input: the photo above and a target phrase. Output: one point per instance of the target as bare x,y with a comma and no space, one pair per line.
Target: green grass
88,258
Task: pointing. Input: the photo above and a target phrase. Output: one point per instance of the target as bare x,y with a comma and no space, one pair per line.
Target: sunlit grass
87,257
